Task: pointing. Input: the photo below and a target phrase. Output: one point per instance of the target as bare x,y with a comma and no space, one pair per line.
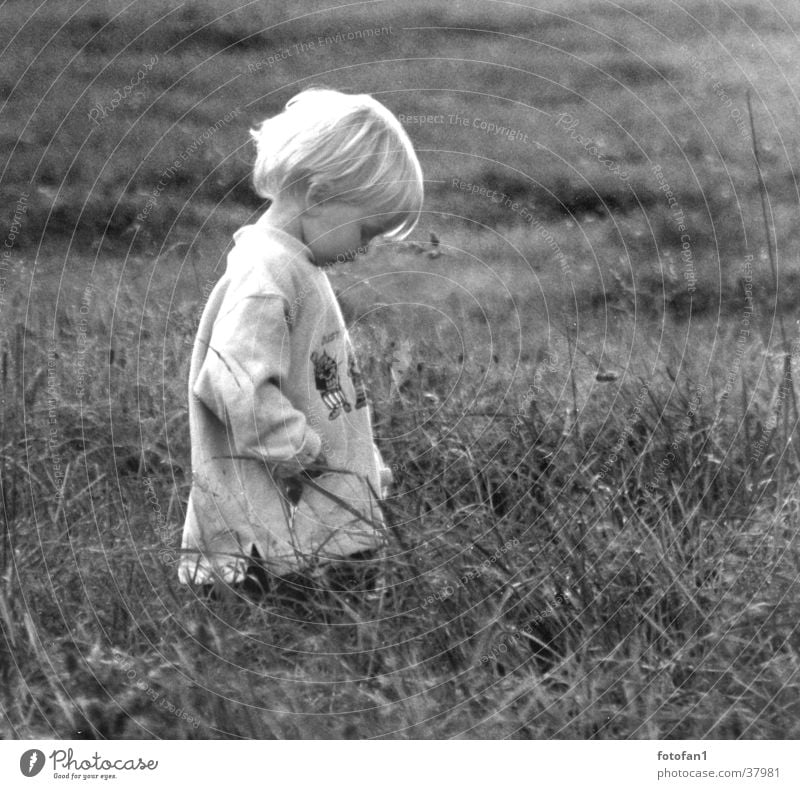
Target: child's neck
284,215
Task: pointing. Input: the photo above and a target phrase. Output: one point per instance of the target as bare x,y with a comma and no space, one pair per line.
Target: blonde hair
351,145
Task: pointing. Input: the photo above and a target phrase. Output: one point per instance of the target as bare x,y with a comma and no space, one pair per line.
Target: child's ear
316,195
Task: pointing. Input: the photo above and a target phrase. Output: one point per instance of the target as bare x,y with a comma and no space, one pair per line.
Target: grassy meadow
585,386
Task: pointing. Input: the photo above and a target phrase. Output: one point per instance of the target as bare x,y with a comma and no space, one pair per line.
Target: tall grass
629,571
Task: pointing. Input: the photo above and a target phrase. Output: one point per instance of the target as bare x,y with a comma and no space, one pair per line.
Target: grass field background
594,527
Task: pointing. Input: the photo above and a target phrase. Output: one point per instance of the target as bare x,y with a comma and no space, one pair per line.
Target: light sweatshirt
273,386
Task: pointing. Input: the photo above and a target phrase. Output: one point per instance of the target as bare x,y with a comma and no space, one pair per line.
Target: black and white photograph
399,370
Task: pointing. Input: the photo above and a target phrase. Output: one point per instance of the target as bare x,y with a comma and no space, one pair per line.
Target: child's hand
387,480
293,483
318,467
292,468
385,476
301,463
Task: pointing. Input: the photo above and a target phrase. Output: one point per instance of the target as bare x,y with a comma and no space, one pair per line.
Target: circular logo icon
31,762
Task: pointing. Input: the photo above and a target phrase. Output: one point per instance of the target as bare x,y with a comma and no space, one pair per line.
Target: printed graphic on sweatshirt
362,395
326,379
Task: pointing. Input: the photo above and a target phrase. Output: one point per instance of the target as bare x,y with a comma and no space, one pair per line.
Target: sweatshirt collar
296,246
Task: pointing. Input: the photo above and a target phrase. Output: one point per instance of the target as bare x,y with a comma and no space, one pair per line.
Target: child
285,470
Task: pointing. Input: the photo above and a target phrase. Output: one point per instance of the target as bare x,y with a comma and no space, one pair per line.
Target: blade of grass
788,381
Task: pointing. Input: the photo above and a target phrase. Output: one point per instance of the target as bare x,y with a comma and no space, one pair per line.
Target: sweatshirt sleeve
242,381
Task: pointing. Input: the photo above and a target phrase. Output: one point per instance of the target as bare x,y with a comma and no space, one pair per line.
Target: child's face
336,231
